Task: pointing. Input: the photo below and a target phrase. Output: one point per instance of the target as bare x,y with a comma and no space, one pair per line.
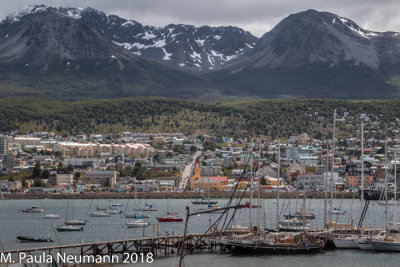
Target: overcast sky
256,16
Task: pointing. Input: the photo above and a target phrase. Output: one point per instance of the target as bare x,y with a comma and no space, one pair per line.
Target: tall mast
326,183
259,187
395,188
362,163
278,185
208,186
333,159
251,187
386,191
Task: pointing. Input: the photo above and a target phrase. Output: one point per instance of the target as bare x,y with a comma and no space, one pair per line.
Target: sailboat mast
333,160
251,187
326,183
395,188
259,187
386,191
278,186
208,182
362,163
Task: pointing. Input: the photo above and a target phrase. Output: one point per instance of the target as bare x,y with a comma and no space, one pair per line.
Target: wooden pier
158,246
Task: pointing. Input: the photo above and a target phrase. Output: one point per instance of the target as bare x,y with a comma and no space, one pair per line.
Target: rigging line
234,191
225,212
351,207
283,205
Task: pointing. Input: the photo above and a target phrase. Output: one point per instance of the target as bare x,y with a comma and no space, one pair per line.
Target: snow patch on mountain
167,56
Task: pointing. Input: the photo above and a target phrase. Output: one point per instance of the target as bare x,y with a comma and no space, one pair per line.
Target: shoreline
174,195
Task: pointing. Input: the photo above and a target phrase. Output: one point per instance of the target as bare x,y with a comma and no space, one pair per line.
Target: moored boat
171,218
100,214
345,242
33,210
136,215
69,228
386,245
28,239
75,222
51,216
137,223
114,211
363,243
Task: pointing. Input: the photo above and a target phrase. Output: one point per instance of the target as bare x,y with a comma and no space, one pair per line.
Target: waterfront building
104,178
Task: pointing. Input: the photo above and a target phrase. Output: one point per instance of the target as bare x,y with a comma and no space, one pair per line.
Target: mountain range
73,53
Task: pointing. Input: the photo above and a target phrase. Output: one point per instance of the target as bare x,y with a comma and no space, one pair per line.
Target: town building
103,178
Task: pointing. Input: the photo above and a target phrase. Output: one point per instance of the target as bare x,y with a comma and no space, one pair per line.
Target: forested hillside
147,114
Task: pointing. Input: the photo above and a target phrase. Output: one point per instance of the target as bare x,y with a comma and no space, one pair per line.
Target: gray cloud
256,16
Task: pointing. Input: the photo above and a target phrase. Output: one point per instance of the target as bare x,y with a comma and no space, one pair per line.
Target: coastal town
44,162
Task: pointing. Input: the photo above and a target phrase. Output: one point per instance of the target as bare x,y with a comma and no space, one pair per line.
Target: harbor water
14,222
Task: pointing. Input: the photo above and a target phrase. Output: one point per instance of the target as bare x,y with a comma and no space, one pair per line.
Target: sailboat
100,214
69,228
51,216
136,215
73,221
28,239
171,216
137,223
268,242
147,207
33,210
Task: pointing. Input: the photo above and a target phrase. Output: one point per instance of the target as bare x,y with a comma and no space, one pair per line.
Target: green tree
36,171
38,182
45,174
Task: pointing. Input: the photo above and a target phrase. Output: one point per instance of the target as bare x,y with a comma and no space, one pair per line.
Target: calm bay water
13,222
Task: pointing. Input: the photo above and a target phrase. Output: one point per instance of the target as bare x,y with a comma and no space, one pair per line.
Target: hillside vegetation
147,114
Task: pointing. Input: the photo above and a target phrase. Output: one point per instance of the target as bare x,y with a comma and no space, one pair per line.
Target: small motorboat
33,210
69,228
137,223
51,216
28,239
75,222
169,218
117,204
100,214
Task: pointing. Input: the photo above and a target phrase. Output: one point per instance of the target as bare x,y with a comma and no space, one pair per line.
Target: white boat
337,211
386,245
115,212
137,223
390,202
346,242
363,243
51,216
100,214
33,210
